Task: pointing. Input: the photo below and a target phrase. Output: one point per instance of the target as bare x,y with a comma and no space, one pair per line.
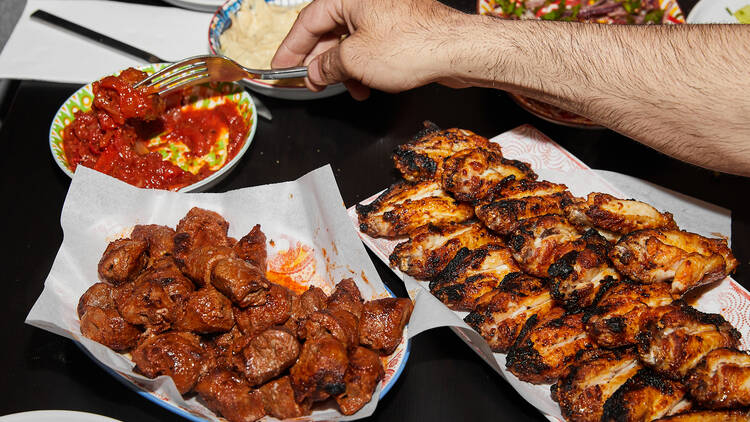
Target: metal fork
209,68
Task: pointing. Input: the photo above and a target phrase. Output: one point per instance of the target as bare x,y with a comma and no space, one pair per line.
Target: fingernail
313,72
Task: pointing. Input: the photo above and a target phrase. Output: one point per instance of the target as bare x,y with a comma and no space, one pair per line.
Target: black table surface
443,379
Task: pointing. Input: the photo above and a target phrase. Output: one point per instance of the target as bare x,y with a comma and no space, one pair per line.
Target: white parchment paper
552,162
99,209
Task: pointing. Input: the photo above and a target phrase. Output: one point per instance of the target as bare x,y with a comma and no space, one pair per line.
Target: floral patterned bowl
222,20
202,96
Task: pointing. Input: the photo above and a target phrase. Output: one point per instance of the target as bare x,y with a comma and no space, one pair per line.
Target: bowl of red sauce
187,141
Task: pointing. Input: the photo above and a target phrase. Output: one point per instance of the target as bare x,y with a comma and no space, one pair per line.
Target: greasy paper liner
304,215
554,163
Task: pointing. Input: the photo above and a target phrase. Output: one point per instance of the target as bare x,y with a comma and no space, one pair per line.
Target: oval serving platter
201,96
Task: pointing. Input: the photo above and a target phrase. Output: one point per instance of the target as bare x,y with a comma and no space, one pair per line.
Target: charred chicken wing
587,384
645,397
519,200
687,260
430,248
502,313
624,310
472,274
721,380
577,279
676,342
422,158
472,174
614,215
545,347
541,241
404,207
709,416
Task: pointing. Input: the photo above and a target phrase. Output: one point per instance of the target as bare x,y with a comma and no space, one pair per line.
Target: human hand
390,45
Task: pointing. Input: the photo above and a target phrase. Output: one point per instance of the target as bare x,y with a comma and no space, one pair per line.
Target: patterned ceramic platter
198,97
672,14
223,19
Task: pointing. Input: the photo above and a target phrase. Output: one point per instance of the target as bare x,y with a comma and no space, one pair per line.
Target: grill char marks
501,314
472,274
645,397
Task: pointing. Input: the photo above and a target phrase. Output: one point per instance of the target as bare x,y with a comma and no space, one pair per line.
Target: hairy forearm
681,89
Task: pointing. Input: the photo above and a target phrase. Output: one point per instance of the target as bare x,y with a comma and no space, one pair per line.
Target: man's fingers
326,68
358,91
315,20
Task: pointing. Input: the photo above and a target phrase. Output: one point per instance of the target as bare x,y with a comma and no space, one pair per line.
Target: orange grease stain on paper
293,268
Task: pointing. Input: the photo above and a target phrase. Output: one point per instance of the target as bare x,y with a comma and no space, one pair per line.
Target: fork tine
184,83
179,77
173,68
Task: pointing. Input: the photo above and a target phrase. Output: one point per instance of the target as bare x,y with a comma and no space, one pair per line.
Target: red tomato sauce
113,136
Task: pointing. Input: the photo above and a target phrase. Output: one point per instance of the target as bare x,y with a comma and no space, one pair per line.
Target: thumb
327,68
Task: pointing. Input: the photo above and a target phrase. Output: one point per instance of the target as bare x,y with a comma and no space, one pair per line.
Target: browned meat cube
106,326
342,325
382,324
175,354
206,311
204,228
252,248
243,283
160,239
229,394
145,302
122,261
312,300
228,349
275,311
346,296
278,400
100,295
165,273
362,377
320,370
199,263
269,353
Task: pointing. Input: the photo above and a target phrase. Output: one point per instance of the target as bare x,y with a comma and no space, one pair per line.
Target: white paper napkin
37,50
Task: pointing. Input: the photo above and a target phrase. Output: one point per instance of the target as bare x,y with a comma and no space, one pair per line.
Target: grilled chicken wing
587,384
541,241
577,279
645,397
676,342
519,200
709,416
404,207
430,248
545,347
721,380
623,310
686,259
614,215
422,158
474,173
502,313
471,274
